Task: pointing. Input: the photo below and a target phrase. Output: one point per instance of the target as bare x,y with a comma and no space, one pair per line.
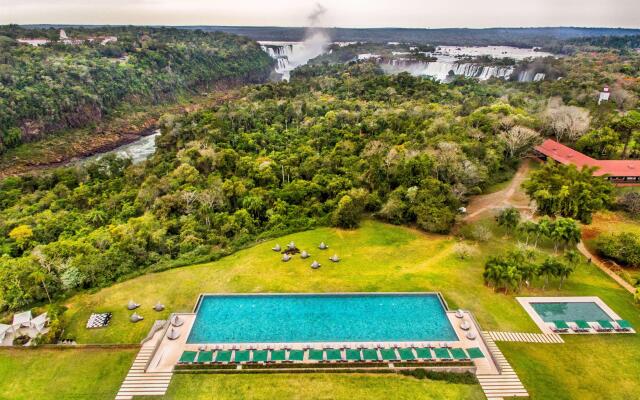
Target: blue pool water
570,312
321,318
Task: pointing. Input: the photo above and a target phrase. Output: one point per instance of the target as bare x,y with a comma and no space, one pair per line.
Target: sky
343,13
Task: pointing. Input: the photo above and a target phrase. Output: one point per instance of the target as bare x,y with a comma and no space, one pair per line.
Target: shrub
623,248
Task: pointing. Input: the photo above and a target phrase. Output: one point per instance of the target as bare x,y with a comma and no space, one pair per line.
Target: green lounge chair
278,356
604,326
442,353
296,355
242,356
187,357
205,357
370,354
459,354
223,356
582,326
333,354
406,354
315,355
388,355
353,355
561,326
424,353
623,325
260,356
475,352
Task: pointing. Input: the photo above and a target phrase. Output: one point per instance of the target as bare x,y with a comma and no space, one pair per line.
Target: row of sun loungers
581,326
329,355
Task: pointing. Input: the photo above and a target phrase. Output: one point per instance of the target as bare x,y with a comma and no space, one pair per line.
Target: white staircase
525,337
504,384
141,383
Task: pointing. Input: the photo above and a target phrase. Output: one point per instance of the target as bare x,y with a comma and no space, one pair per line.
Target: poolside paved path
504,384
524,337
141,383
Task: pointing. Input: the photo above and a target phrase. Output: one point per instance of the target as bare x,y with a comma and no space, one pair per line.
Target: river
137,151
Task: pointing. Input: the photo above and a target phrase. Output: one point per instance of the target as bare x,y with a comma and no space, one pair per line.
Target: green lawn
380,257
63,374
316,386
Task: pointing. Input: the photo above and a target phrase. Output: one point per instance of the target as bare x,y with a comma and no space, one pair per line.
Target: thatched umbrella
291,246
471,335
276,248
459,314
176,321
323,246
304,254
315,265
465,325
173,334
159,307
286,257
334,258
132,305
135,318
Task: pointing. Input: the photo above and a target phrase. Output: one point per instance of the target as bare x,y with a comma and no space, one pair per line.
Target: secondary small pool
570,311
321,318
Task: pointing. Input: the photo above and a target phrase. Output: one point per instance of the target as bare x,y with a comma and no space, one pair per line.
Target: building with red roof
617,171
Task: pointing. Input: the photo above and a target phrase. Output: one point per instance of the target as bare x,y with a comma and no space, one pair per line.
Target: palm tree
572,257
548,268
544,229
563,271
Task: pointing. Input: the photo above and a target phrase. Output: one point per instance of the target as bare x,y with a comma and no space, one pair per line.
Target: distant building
34,42
616,171
63,35
604,95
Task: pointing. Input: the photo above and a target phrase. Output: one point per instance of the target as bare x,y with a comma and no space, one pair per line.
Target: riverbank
127,125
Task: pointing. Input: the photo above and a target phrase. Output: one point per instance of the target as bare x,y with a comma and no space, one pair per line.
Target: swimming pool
569,311
302,318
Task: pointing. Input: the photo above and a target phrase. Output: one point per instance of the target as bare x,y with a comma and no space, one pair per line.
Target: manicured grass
63,374
316,386
585,367
380,257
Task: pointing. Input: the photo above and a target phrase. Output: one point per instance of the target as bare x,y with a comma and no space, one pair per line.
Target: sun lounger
623,325
353,355
582,326
333,355
459,354
388,355
442,353
278,356
315,355
604,326
260,356
187,357
242,356
205,357
223,356
560,326
424,353
370,355
296,355
406,354
474,353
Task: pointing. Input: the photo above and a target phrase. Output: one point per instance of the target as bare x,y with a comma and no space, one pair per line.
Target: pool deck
168,352
546,327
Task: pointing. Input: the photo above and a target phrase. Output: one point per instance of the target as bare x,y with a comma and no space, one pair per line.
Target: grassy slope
62,374
381,257
316,386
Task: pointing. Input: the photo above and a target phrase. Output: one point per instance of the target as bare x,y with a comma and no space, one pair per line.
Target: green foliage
623,248
508,218
49,88
564,190
452,377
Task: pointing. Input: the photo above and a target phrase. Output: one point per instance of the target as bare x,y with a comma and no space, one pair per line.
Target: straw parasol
465,325
132,305
304,254
173,334
158,307
176,321
276,248
334,258
315,265
323,246
135,318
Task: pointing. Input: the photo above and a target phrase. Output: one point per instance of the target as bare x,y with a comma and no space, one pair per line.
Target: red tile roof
567,155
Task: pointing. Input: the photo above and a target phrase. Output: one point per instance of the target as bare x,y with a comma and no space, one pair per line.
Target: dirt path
598,263
512,196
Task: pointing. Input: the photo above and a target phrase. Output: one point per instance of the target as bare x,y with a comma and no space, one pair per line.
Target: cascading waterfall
442,70
530,76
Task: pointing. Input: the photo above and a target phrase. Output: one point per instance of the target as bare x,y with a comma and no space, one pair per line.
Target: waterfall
290,55
530,76
442,70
